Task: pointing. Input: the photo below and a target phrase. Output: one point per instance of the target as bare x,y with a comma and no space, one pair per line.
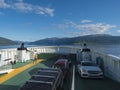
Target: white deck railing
111,64
53,49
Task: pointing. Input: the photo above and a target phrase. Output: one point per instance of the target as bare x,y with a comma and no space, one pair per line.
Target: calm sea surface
113,49
109,49
15,46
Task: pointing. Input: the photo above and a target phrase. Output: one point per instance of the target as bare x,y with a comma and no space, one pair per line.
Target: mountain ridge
5,41
97,38
94,39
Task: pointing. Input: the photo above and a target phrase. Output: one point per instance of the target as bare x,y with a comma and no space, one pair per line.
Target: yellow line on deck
17,71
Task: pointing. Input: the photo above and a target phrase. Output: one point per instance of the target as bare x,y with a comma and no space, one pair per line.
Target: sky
31,20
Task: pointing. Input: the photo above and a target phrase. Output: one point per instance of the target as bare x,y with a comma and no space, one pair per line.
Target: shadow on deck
9,87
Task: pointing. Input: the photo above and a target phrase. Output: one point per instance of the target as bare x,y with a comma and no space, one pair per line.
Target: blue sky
30,20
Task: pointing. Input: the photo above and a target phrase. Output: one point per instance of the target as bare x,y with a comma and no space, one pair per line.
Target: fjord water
113,49
15,46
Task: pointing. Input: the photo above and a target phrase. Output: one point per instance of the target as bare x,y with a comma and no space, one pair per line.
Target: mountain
5,41
96,39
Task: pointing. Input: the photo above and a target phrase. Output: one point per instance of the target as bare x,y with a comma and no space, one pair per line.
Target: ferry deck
72,82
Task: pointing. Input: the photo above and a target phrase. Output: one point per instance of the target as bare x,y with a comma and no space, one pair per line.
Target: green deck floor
17,81
20,64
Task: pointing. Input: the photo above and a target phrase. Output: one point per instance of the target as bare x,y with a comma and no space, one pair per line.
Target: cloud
24,7
49,11
97,28
21,6
3,4
41,10
118,31
85,21
86,29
